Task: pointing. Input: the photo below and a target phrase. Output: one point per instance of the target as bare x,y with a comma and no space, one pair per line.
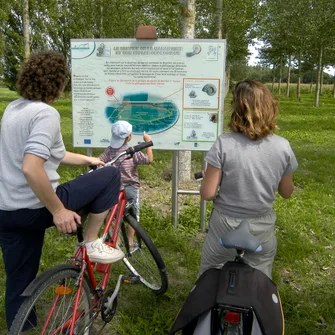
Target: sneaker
102,253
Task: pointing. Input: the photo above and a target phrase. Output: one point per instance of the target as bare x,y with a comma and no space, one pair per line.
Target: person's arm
150,155
72,158
286,187
33,170
210,183
147,138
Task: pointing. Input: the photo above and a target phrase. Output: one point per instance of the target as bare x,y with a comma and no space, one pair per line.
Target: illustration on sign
152,116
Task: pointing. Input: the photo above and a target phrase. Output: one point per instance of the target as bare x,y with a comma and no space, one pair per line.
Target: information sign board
171,88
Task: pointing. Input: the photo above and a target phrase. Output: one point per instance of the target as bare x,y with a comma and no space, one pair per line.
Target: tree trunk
187,24
334,86
299,78
102,20
25,10
318,79
311,84
218,19
288,77
273,78
280,76
227,79
321,81
218,30
187,19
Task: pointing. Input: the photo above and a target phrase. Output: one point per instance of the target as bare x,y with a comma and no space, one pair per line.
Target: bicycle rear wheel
50,308
144,260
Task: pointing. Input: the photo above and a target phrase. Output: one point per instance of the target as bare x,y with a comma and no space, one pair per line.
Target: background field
304,266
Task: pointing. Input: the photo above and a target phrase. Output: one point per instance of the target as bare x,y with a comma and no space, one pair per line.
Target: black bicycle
234,300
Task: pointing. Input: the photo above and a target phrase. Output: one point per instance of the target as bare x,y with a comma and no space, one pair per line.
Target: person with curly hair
245,169
31,199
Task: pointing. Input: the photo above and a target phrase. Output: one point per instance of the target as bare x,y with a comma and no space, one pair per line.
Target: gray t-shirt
27,127
251,172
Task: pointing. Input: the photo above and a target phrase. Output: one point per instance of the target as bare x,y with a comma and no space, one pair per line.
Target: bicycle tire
145,261
36,305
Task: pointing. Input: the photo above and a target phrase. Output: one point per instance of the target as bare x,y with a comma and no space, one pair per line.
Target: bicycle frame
118,210
82,260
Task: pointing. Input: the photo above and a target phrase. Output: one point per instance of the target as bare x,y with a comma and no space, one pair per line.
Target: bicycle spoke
50,310
144,260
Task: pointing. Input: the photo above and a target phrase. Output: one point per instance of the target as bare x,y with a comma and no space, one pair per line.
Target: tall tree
4,12
323,13
302,29
218,19
187,27
26,39
236,25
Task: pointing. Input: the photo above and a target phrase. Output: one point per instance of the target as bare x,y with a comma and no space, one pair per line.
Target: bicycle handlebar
130,151
142,146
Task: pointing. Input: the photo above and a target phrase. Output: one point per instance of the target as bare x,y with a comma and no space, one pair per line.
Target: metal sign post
176,192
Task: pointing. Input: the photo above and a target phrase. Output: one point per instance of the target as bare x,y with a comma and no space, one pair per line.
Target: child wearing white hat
121,136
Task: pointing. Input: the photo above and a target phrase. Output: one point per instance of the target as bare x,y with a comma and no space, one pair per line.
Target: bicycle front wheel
50,308
143,259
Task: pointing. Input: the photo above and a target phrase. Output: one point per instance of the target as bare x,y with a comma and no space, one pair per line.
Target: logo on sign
110,91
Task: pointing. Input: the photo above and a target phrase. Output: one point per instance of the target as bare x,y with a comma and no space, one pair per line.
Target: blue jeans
22,231
133,195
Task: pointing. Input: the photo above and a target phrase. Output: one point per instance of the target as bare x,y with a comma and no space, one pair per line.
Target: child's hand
146,137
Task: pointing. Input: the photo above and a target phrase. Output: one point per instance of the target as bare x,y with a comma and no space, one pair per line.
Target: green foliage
157,324
238,18
297,28
53,23
304,266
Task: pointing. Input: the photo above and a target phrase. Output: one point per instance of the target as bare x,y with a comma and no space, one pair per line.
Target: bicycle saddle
241,239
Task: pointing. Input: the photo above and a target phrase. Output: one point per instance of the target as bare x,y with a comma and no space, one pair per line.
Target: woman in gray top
31,199
245,168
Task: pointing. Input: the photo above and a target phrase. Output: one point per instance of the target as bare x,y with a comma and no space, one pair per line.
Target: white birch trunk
299,78
218,19
273,78
318,79
187,23
101,19
311,84
280,76
187,19
219,34
25,10
288,77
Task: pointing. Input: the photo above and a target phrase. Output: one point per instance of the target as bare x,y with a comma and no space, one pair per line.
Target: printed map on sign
171,89
152,116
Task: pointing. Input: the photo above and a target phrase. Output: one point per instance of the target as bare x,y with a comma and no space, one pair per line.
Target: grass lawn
304,267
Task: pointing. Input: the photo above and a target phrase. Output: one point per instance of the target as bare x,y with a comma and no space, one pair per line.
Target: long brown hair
254,110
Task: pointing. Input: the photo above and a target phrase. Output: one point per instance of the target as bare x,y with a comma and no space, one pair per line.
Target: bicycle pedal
131,279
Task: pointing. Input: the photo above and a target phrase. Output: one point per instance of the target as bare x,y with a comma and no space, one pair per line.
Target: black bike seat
241,239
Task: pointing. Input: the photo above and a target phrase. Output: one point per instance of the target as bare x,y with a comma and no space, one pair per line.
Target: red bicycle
67,298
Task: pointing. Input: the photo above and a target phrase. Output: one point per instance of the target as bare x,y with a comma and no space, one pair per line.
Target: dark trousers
22,231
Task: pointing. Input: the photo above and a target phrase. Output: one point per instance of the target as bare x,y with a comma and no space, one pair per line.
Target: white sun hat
120,131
